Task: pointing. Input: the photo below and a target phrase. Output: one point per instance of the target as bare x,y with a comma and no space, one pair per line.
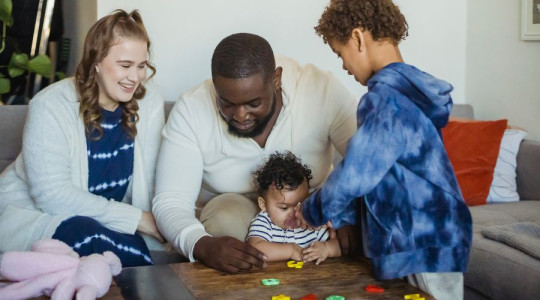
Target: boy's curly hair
283,170
381,18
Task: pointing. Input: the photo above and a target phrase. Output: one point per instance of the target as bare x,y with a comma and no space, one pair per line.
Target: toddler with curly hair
282,183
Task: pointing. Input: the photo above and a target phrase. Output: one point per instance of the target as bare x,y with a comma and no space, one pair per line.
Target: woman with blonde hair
85,174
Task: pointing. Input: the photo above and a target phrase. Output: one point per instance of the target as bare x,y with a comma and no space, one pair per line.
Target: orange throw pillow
473,147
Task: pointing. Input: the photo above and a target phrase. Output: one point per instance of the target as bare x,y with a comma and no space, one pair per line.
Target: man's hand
348,237
228,254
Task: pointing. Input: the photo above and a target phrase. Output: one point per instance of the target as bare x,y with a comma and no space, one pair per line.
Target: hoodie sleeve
372,152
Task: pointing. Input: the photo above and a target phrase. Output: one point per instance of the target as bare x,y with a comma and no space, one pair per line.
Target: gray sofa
496,271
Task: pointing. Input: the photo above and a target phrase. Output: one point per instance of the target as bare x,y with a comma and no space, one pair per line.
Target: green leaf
5,85
14,71
41,65
19,60
6,7
18,64
61,75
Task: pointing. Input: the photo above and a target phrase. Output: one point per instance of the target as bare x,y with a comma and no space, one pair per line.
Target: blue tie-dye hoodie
413,216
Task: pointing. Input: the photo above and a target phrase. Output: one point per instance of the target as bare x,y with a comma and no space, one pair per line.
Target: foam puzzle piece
270,281
373,288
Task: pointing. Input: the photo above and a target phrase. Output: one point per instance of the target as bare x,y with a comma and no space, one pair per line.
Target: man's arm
178,181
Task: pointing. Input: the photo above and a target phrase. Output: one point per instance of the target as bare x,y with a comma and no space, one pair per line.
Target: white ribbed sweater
48,182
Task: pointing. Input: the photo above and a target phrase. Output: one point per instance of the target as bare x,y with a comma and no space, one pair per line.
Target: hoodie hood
428,93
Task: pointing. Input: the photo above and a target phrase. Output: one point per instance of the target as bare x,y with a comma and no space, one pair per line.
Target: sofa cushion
495,269
528,174
12,118
504,213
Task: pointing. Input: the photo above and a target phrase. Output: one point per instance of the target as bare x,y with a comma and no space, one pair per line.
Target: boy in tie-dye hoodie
414,220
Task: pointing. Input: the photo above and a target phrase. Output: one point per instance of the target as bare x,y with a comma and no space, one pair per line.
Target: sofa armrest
528,170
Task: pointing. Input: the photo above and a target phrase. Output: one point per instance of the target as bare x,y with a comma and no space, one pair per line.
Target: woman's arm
276,251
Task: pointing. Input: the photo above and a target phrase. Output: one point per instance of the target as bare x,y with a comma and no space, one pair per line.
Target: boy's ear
262,203
357,35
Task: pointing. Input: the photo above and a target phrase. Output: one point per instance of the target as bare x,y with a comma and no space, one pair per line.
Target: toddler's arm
276,251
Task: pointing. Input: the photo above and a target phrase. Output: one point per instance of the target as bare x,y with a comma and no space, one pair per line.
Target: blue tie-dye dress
413,216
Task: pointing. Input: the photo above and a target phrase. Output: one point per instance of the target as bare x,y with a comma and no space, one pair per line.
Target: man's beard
259,128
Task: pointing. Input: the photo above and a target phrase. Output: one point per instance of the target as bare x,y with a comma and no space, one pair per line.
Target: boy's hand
316,251
302,222
300,219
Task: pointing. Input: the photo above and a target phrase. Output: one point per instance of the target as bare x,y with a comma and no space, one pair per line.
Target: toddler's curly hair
284,170
381,18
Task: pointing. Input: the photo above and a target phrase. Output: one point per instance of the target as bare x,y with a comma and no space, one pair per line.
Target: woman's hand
147,225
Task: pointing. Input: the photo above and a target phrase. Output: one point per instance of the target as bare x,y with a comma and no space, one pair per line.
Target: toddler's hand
316,251
296,252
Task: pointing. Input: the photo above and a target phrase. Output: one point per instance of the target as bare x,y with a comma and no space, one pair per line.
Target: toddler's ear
262,203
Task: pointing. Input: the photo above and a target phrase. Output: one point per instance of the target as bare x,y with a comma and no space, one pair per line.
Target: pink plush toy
54,269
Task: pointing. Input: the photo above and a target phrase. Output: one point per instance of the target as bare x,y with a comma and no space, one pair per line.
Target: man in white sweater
219,132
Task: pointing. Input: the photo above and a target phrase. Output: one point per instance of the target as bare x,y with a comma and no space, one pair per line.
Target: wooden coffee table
338,276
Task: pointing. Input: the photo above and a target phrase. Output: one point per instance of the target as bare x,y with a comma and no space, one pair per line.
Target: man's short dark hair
243,55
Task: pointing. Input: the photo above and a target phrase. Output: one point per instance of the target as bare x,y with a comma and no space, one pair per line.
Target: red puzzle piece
309,297
372,288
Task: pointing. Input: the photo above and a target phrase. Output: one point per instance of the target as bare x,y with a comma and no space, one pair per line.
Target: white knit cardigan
48,182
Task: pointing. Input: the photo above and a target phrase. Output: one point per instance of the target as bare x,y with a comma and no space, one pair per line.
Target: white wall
503,72
185,33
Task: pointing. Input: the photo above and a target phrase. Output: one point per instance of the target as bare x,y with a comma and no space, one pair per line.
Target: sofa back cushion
528,174
12,118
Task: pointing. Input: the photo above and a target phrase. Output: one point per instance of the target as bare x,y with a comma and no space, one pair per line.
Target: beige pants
229,215
442,286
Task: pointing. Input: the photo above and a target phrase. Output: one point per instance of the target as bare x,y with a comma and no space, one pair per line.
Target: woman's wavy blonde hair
105,33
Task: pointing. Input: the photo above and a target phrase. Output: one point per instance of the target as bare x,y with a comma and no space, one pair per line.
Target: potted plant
20,63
